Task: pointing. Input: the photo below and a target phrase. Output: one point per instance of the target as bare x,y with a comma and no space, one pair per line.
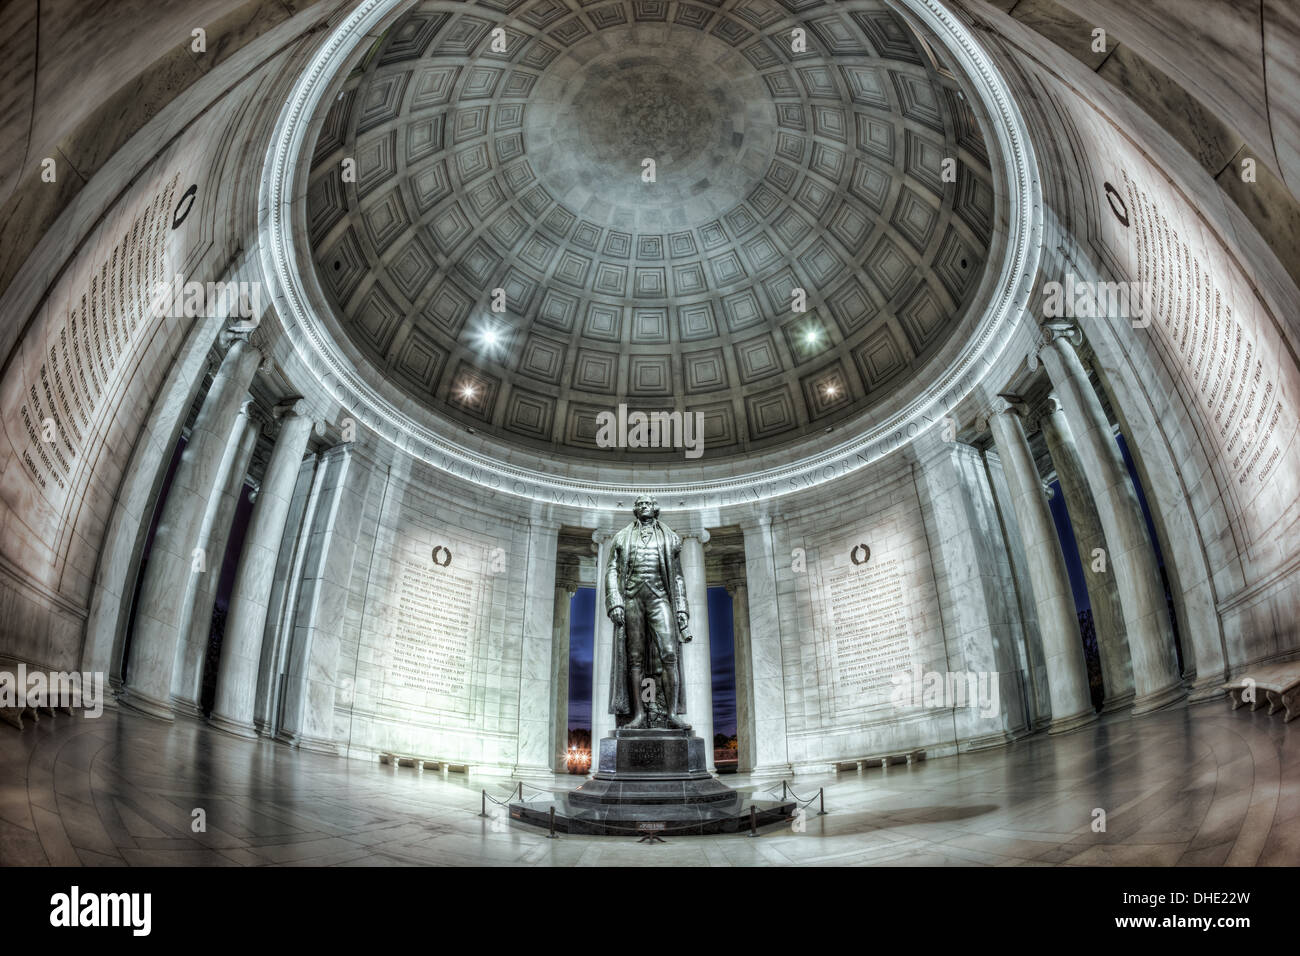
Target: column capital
566,579
734,576
249,335
292,409
701,534
232,335
294,406
1005,403
1060,331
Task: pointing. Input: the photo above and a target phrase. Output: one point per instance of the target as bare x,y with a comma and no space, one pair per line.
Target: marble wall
96,387
431,659
1205,386
411,610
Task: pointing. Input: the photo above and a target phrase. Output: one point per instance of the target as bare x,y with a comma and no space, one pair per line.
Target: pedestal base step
651,782
641,819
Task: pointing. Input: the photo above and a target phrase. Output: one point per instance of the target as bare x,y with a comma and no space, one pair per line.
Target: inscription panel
430,650
77,378
1218,337
872,639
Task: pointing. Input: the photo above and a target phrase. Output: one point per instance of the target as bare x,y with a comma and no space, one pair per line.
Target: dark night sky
582,609
1065,535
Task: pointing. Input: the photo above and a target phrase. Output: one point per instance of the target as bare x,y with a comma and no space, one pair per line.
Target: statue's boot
638,708
671,677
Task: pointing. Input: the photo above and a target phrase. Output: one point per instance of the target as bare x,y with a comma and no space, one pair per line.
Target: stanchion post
821,802
483,810
753,821
551,835
784,787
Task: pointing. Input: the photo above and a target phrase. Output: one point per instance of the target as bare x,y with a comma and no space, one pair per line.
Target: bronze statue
645,597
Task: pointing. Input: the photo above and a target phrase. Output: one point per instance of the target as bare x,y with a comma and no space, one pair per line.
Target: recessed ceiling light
467,391
490,338
810,337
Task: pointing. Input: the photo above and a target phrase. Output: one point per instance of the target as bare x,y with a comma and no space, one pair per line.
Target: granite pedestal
651,781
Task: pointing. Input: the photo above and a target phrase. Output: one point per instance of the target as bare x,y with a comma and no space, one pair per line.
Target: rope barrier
820,796
519,788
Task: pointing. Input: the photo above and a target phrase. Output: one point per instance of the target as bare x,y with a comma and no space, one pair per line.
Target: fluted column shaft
697,663
152,660
1067,676
241,650
1103,594
196,624
317,623
1132,560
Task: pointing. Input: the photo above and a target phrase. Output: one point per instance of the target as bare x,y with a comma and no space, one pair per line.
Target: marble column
1132,559
289,571
152,659
734,581
323,616
602,637
765,668
1067,675
196,625
566,584
972,576
697,662
241,649
1038,697
536,700
1103,592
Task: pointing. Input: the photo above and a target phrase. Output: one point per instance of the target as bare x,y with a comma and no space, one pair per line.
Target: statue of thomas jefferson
645,597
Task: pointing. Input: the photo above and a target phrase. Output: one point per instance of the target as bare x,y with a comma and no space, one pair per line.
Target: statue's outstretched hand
616,615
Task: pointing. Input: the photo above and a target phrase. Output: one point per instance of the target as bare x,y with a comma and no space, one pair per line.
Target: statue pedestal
653,752
651,781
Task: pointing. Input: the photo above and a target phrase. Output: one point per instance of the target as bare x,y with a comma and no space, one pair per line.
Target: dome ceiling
522,171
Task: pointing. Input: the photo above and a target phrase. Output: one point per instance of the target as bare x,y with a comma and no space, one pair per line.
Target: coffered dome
854,170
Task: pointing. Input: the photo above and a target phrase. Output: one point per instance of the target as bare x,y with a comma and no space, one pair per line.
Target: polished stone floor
1194,785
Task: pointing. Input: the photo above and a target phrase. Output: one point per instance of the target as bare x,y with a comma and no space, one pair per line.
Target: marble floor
1194,785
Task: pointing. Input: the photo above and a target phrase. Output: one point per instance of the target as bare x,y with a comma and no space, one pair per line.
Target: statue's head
645,507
